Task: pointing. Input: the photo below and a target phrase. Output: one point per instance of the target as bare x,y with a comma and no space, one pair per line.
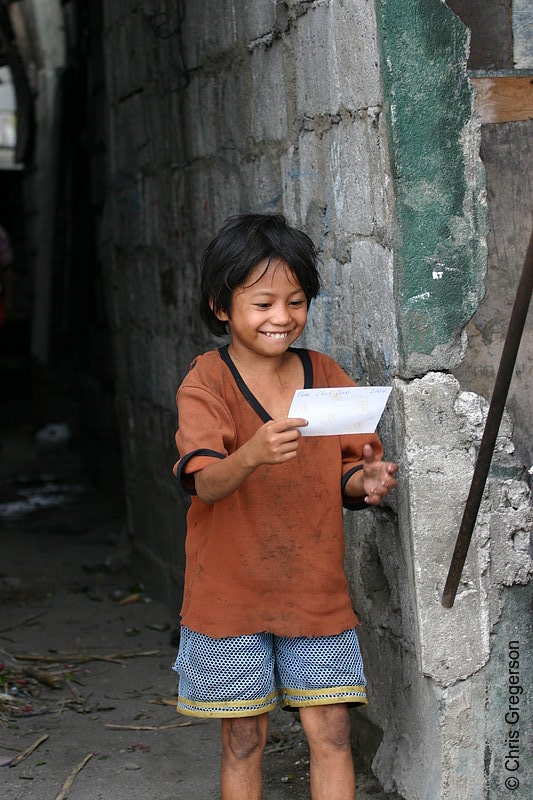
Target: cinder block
353,42
233,106
374,335
203,128
262,19
335,47
207,36
334,171
268,112
348,156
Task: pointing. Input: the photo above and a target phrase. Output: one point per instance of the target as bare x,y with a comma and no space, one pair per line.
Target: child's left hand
376,479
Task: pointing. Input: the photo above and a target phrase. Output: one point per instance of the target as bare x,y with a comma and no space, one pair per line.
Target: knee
338,732
243,738
331,729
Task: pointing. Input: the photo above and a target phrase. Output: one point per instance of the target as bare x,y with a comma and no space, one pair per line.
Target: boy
266,613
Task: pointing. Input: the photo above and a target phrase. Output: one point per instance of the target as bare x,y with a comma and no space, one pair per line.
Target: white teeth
276,335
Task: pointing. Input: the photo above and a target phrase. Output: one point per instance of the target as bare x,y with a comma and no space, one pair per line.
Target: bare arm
274,443
374,481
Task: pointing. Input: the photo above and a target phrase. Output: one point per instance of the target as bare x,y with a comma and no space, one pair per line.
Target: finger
277,439
293,422
289,446
375,497
373,500
284,454
288,456
389,483
368,454
289,436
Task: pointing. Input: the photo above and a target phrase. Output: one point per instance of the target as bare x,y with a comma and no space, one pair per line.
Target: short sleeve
206,432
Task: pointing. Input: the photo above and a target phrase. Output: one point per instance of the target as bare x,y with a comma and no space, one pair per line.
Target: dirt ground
87,694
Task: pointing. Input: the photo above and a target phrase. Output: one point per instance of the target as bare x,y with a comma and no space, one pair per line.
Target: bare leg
243,743
328,733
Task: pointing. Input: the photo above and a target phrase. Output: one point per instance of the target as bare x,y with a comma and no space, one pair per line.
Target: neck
256,363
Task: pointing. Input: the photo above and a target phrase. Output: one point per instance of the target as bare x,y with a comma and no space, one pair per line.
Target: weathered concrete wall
451,713
502,52
440,715
280,106
507,158
446,680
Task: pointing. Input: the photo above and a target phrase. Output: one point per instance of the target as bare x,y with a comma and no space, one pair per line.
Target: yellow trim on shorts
324,701
321,692
228,708
323,697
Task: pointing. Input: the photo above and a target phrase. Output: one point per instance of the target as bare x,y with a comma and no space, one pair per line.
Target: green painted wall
441,217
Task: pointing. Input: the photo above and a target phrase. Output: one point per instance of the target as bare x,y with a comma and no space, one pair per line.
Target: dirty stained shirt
270,557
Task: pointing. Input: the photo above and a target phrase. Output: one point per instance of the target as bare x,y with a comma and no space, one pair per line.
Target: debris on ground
12,762
67,786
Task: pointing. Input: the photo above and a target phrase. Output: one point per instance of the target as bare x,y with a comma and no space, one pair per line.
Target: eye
297,303
262,305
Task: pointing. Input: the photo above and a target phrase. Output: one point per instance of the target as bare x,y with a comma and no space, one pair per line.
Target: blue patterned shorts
247,675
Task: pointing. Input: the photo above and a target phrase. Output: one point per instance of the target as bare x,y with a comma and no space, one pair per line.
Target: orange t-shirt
270,557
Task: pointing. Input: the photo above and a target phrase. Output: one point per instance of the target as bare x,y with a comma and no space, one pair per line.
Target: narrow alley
397,136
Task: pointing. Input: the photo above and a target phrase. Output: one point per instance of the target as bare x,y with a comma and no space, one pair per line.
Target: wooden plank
504,99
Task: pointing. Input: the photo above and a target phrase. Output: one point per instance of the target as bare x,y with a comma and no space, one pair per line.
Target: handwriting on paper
348,409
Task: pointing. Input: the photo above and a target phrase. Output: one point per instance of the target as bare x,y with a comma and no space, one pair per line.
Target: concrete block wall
439,716
450,704
355,120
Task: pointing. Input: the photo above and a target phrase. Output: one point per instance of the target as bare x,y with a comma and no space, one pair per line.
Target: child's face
268,311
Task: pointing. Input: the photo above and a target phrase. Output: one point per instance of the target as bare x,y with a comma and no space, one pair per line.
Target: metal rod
492,426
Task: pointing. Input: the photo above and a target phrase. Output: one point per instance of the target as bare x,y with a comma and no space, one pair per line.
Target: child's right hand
276,441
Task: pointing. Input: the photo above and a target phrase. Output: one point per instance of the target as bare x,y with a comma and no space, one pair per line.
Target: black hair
243,242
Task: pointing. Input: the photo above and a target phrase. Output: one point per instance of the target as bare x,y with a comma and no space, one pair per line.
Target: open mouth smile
272,335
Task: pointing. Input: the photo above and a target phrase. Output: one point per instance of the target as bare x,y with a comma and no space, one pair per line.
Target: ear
220,314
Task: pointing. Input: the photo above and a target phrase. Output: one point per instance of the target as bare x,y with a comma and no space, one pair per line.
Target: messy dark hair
243,242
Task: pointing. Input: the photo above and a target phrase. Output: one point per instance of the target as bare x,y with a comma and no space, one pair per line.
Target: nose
280,314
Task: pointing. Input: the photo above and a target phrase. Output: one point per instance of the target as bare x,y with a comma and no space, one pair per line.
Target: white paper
348,409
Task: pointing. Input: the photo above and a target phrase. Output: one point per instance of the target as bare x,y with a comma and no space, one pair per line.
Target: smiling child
266,614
